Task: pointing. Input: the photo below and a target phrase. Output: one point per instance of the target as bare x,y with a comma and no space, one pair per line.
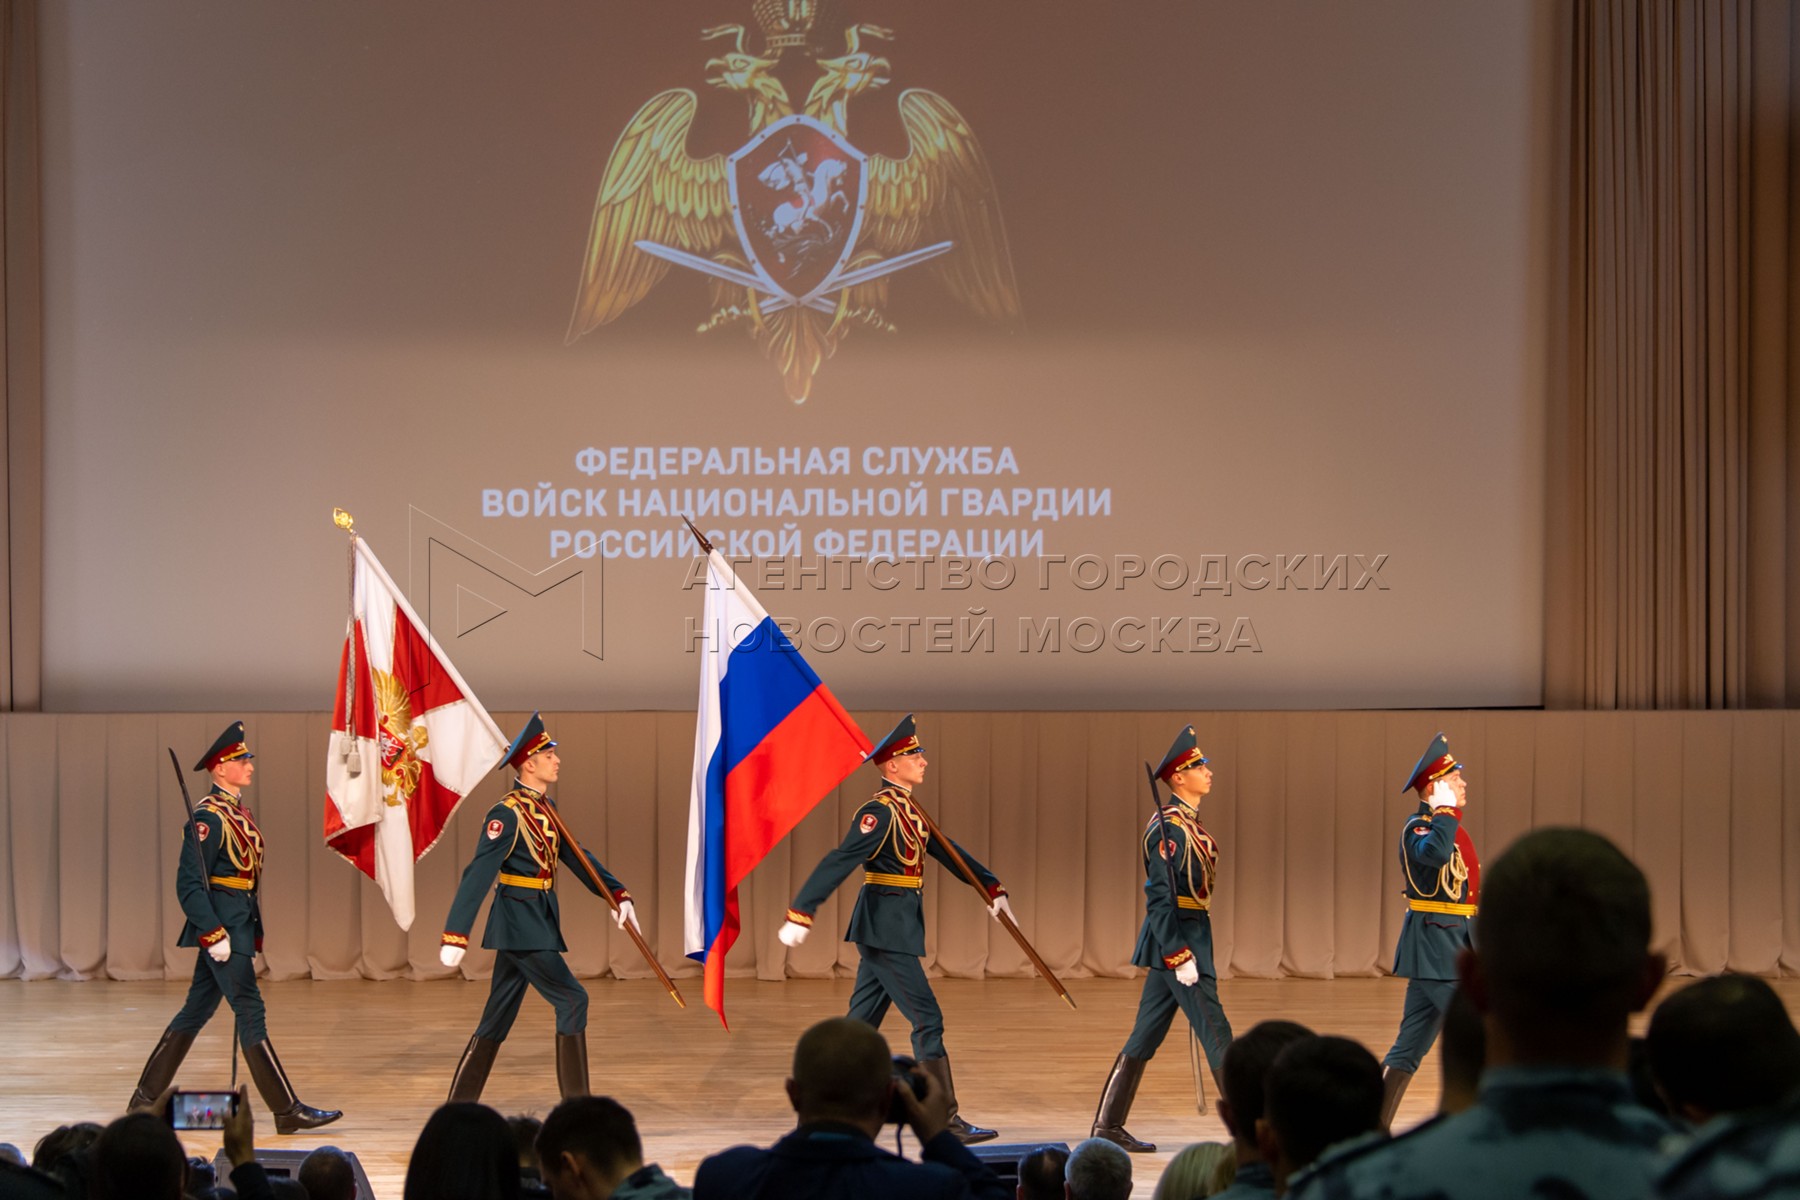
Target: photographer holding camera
844,1088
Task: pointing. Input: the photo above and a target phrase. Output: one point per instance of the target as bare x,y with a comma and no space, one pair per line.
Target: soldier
1561,959
215,881
889,839
1443,878
1181,864
517,858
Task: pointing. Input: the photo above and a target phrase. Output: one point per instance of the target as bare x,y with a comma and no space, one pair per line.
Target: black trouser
233,981
1426,1002
544,970
1162,995
887,978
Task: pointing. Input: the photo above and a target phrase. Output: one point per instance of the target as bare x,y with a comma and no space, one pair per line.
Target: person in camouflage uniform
1755,1156
1561,959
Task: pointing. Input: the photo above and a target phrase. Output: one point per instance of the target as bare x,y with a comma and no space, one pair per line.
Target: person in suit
216,881
889,840
516,859
843,1089
1442,883
1181,866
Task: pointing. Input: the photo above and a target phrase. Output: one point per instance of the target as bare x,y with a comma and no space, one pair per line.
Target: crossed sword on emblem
779,298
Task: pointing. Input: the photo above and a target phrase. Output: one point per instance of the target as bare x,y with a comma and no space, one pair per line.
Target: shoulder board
1342,1155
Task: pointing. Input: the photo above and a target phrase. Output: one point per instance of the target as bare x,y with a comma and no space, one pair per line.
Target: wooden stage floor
384,1052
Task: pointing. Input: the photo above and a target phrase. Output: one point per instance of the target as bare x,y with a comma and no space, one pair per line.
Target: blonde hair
1202,1169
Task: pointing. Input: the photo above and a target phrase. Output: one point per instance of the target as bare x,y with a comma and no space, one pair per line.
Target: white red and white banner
419,743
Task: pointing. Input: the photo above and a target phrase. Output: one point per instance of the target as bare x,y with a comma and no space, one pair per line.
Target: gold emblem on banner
398,739
798,232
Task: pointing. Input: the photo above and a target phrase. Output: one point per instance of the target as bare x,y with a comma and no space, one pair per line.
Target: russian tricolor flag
770,742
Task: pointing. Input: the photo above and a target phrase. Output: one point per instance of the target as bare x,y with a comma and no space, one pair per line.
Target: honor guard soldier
1442,878
1181,865
516,858
889,839
215,881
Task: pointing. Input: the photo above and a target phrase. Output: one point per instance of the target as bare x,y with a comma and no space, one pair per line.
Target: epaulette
1337,1157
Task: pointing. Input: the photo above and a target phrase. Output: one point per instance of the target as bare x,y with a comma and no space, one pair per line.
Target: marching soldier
1181,864
889,839
516,858
215,881
1442,877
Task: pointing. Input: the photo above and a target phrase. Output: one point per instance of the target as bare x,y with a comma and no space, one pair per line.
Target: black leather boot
159,1070
572,1064
291,1116
472,1072
939,1069
1115,1105
1393,1086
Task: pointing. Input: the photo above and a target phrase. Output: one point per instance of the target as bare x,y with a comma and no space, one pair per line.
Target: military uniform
1181,864
1442,883
216,881
516,859
1750,1156
1534,1131
889,839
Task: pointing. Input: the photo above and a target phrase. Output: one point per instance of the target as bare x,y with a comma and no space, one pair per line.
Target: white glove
1001,906
1188,973
451,956
220,950
627,912
792,933
1442,796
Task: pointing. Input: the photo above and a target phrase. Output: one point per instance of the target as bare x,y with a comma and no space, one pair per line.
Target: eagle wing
652,190
943,191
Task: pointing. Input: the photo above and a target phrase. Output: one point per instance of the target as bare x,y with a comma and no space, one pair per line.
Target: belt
527,881
900,881
1190,902
1440,906
232,881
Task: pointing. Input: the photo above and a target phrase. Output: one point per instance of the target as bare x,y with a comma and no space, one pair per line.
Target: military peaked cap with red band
228,748
1183,754
903,740
531,740
1437,763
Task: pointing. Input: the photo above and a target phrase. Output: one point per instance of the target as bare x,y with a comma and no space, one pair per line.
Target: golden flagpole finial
343,520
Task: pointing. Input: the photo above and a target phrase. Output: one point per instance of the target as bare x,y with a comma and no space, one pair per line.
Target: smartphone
201,1110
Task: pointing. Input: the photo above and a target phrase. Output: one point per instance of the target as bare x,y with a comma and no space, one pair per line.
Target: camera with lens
906,1075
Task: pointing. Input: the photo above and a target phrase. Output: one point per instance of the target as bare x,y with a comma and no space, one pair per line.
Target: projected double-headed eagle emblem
799,232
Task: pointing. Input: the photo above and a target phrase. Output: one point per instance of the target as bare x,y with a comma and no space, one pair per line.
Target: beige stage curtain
21,363
1673,578
1305,806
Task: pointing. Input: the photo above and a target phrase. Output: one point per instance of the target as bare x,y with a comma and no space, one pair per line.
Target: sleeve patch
495,828
200,828
1169,849
1421,830
868,823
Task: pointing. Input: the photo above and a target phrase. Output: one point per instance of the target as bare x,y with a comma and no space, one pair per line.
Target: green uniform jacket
225,838
889,840
1177,925
1438,866
517,858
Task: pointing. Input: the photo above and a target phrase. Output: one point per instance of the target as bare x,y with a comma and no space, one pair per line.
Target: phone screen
200,1110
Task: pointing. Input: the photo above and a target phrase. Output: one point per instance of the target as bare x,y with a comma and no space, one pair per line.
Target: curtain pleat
1305,806
1673,553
